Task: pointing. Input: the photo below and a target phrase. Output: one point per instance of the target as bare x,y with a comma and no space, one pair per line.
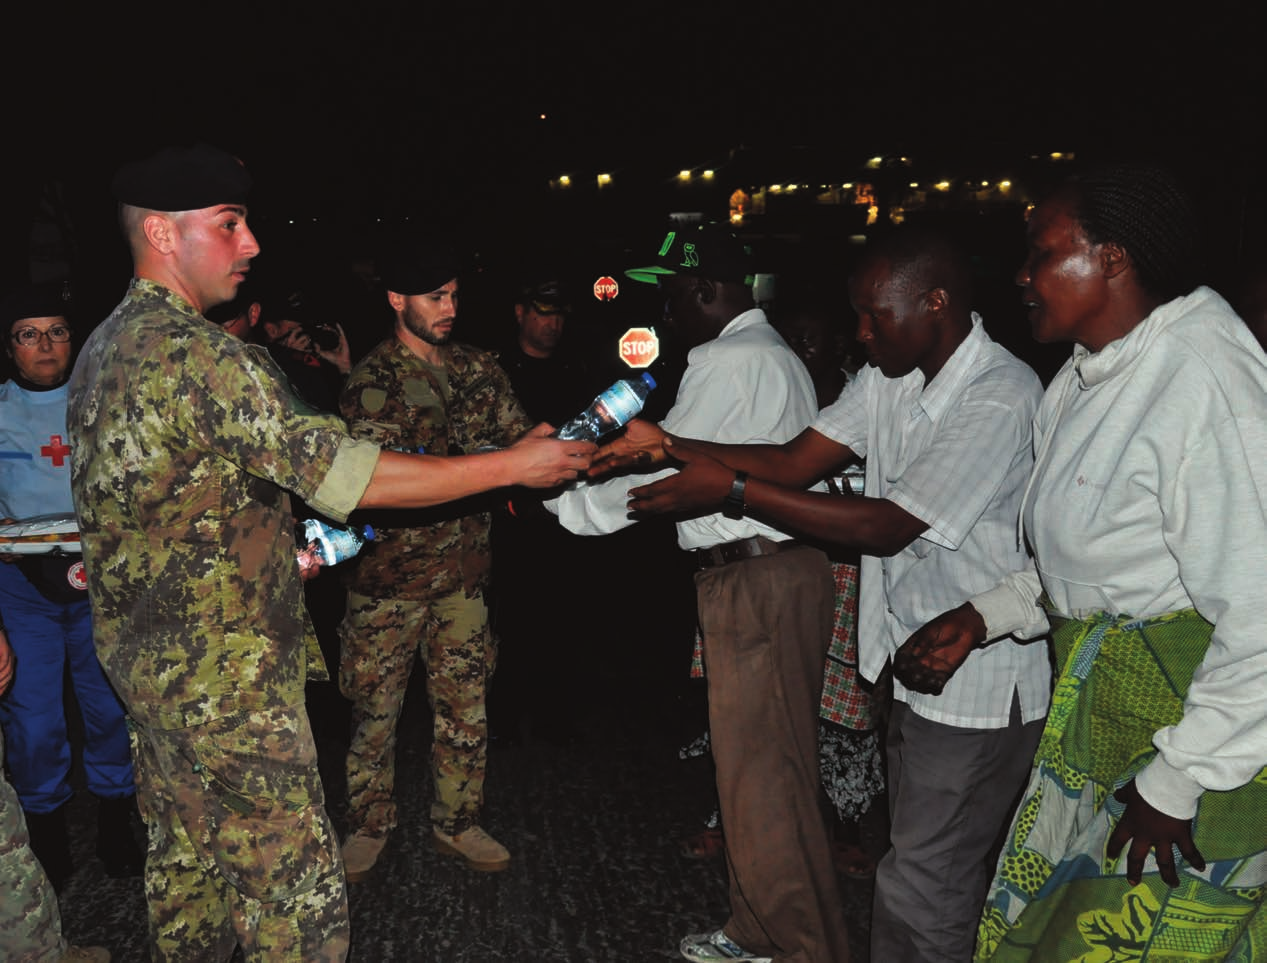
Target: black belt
738,550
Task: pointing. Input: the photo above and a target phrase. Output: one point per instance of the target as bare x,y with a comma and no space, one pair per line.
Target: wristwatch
732,506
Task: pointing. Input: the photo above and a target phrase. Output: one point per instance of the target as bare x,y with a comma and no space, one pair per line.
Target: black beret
47,300
183,179
419,266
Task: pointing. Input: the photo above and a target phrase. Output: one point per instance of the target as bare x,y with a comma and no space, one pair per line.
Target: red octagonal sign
639,347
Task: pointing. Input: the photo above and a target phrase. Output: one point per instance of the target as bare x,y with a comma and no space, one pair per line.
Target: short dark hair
930,256
1143,208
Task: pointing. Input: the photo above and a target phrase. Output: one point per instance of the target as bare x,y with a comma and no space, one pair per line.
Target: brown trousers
766,623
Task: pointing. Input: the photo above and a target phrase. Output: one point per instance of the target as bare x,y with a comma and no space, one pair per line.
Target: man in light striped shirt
942,414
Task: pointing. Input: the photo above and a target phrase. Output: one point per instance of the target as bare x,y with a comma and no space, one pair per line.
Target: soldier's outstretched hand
544,462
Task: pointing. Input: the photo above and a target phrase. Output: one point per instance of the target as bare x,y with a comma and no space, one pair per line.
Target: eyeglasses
30,337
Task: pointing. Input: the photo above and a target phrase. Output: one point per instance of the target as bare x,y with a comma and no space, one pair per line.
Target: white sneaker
716,946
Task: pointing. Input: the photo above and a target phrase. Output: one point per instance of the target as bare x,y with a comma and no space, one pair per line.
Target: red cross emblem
55,450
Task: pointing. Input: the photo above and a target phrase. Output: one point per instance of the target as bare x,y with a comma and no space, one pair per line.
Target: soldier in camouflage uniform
30,924
422,586
185,443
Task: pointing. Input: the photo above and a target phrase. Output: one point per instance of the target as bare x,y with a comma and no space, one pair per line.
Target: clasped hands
698,487
925,663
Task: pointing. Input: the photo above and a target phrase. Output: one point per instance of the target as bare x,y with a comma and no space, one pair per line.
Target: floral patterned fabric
1056,896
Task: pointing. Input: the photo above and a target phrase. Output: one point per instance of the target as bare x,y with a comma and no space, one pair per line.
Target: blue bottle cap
646,376
368,533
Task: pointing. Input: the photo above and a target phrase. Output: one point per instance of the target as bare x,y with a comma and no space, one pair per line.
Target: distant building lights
604,179
708,175
565,180
1005,185
985,183
847,186
943,185
913,185
684,175
875,162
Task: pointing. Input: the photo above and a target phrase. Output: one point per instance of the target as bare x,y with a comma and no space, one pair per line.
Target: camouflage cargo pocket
266,849
269,836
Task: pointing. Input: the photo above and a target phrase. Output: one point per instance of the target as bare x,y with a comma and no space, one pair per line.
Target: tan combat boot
480,850
85,954
360,853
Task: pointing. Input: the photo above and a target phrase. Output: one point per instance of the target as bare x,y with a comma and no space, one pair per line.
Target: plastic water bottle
326,545
610,410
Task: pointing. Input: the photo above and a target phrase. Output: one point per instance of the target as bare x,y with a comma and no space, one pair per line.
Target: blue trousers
47,638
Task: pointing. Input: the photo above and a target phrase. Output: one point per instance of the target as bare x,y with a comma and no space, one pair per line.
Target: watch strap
733,505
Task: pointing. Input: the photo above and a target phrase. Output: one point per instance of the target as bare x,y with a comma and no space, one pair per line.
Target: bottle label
621,403
334,544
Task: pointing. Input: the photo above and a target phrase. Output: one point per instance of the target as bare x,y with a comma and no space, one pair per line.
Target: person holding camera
314,355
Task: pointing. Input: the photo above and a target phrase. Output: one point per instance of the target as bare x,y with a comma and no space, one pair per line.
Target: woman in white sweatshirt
1143,831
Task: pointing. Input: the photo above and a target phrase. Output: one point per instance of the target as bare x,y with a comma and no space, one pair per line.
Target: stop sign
639,347
606,288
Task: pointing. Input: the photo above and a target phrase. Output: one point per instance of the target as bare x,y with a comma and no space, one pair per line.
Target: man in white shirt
942,416
764,609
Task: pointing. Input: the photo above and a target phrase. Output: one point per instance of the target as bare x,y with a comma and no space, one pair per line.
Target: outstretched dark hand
936,650
698,488
1150,829
638,448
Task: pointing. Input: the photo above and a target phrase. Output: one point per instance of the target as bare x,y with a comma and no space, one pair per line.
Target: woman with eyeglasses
44,607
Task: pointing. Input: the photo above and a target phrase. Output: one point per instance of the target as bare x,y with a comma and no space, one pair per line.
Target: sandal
852,860
706,844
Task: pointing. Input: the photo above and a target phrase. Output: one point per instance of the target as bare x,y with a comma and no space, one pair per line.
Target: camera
323,336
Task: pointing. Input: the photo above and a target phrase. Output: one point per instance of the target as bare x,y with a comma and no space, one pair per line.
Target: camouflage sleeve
389,400
231,399
484,410
364,397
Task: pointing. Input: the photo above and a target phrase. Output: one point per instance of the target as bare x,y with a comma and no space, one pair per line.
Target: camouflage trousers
381,639
241,850
30,926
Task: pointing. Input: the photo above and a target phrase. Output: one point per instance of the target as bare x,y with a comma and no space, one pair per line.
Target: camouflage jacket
397,400
184,443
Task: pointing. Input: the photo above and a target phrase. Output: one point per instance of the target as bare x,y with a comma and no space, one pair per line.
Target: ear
705,291
160,232
937,300
519,314
253,314
1113,259
397,301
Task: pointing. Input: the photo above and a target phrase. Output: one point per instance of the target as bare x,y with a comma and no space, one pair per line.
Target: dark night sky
388,104
393,88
